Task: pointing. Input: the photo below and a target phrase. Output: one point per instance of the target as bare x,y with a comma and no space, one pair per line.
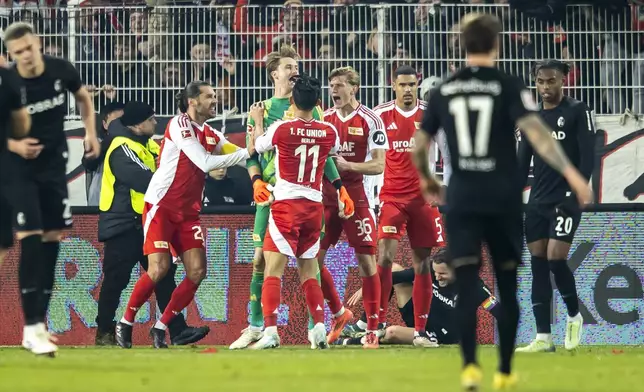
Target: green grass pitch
340,369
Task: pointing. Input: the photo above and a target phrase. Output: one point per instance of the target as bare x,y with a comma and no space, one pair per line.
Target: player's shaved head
480,33
306,92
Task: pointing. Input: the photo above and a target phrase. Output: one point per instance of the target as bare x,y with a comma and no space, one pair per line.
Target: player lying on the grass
552,214
282,67
442,324
363,145
301,146
189,149
403,207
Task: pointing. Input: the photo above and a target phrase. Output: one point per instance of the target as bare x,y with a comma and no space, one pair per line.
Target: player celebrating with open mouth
301,146
363,143
173,203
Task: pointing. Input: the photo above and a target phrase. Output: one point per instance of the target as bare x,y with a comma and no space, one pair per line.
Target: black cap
135,113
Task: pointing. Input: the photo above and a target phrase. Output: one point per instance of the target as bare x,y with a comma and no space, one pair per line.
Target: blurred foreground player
38,187
479,107
301,145
402,204
552,215
15,122
363,144
173,203
442,324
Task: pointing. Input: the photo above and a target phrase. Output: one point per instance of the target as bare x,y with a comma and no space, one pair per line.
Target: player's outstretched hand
92,147
28,148
345,204
341,163
256,113
355,298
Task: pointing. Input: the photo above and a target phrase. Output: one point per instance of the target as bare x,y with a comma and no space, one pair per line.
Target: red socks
181,297
386,284
142,291
422,297
314,299
371,300
271,300
329,291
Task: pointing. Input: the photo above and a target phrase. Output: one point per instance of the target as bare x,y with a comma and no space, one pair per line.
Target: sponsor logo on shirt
186,134
46,104
403,145
356,131
161,244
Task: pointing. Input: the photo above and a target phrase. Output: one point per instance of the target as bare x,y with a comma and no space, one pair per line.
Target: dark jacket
130,173
234,189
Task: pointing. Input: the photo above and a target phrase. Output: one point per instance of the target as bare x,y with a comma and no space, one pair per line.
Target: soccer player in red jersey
302,146
402,203
189,149
363,143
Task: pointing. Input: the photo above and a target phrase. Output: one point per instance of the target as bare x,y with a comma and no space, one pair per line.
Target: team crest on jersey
57,85
561,122
356,131
417,124
211,140
186,134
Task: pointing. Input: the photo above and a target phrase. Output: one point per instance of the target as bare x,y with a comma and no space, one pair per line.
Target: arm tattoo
539,135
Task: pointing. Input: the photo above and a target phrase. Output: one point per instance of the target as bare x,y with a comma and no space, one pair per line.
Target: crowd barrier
606,258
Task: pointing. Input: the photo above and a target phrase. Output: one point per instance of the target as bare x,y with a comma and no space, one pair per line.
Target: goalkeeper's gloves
345,204
262,192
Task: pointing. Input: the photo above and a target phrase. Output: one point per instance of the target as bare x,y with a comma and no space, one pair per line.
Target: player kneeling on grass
442,324
301,145
189,149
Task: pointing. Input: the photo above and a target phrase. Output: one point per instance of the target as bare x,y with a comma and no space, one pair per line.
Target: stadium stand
130,49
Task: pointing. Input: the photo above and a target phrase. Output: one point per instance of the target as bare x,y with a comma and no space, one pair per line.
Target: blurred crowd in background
129,49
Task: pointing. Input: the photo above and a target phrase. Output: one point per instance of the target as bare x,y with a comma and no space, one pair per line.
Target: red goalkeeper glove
345,204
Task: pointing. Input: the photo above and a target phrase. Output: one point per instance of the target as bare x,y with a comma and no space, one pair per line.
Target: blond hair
17,30
273,59
353,77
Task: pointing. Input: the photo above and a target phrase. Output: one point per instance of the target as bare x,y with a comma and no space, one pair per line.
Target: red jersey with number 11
301,148
401,182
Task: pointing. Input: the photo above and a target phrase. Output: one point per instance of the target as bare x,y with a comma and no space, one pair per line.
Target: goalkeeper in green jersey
282,68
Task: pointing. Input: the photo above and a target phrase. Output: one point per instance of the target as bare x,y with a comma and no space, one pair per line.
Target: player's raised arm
184,137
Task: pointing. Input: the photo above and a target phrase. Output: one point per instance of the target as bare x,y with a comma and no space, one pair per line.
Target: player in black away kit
479,108
442,324
38,188
14,122
552,216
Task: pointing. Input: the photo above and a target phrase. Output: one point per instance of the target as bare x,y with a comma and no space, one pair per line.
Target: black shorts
503,233
551,221
443,335
38,197
6,232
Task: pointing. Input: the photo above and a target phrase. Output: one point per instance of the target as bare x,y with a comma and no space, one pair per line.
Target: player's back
476,111
178,183
302,148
